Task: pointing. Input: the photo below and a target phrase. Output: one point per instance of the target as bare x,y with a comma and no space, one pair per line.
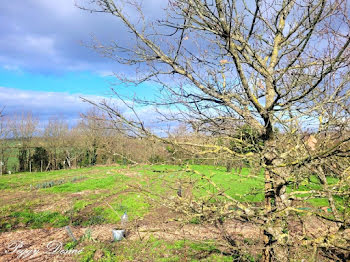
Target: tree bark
269,197
270,200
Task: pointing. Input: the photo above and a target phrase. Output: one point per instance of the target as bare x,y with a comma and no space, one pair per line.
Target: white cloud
13,68
105,73
46,105
40,44
46,36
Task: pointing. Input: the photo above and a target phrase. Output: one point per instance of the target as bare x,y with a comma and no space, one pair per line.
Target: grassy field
99,185
95,198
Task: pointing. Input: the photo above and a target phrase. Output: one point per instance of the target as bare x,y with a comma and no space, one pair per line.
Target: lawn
97,196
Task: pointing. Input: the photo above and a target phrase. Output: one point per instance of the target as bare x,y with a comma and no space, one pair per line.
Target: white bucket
118,234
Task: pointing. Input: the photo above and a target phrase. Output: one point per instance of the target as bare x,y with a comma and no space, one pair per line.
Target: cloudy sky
44,63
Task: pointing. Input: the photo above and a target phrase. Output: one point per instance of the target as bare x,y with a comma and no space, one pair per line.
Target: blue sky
78,82
44,63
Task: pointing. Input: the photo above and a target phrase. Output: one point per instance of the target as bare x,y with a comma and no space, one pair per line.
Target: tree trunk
269,196
229,166
275,197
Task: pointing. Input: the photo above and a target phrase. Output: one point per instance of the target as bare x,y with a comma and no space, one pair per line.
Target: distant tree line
27,146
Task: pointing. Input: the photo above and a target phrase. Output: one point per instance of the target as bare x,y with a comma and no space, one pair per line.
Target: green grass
100,195
245,186
312,183
80,204
108,182
134,204
40,219
102,187
20,180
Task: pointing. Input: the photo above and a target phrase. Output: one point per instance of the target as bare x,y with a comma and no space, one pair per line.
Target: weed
38,220
70,245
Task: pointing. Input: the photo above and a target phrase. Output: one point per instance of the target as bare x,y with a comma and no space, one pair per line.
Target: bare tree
272,65
105,141
4,142
55,134
93,130
23,130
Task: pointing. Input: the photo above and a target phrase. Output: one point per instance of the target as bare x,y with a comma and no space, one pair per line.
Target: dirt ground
38,239
159,224
32,244
13,244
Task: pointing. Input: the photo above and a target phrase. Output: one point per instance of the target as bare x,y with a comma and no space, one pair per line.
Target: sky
45,66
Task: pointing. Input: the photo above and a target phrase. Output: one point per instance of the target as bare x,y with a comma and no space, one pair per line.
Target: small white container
118,234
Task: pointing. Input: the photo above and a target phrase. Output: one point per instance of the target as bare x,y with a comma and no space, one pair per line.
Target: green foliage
38,220
195,220
133,203
94,220
23,157
102,253
40,158
100,185
170,149
3,185
70,245
88,254
251,141
90,157
24,180
243,186
90,184
87,235
52,183
156,159
313,183
80,204
48,184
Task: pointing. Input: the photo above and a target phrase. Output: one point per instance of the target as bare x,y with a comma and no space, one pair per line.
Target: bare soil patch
159,224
